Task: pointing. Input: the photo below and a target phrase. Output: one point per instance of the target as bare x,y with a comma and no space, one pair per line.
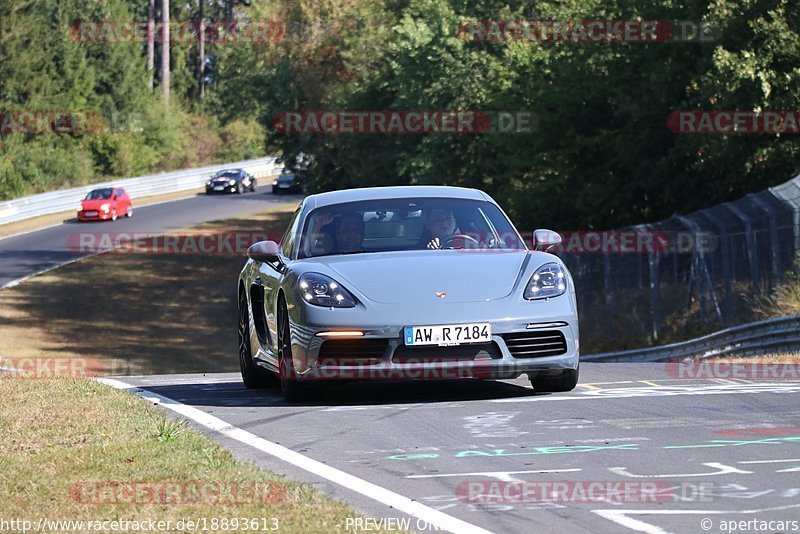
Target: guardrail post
653,261
608,292
750,242
724,250
773,238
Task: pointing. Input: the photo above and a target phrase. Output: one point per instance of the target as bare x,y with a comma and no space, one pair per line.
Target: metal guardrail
23,208
777,334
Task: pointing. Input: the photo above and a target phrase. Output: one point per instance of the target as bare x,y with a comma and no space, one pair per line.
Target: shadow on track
234,394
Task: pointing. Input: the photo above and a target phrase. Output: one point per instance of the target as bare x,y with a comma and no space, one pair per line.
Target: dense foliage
600,156
45,68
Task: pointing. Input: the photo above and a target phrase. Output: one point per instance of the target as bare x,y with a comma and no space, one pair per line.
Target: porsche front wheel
565,381
292,389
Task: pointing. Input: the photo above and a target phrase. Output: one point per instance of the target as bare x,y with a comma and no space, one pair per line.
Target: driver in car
346,237
441,223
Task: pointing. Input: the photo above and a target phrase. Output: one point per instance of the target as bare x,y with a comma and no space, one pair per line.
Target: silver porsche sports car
405,283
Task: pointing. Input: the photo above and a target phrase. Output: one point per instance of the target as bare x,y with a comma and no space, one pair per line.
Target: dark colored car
231,181
104,204
287,182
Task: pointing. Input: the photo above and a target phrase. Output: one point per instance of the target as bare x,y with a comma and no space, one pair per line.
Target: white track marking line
722,469
384,496
26,232
768,461
18,281
622,517
70,211
496,474
663,391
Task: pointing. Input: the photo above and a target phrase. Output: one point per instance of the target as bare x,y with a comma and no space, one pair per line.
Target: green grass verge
63,441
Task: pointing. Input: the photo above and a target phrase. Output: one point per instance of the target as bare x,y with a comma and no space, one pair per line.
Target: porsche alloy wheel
252,375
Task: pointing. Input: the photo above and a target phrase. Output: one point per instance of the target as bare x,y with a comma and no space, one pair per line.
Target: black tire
291,389
253,185
253,376
275,190
566,381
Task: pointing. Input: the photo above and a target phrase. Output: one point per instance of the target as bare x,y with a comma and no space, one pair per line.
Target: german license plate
90,213
448,334
219,187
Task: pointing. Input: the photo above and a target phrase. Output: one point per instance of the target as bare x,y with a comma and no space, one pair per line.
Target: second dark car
287,182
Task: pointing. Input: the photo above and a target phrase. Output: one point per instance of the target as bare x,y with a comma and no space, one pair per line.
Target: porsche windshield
386,225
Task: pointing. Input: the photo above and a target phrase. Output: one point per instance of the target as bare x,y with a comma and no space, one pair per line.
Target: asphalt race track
25,254
632,449
695,453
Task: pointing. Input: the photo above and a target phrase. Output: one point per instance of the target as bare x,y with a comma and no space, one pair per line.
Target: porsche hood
423,277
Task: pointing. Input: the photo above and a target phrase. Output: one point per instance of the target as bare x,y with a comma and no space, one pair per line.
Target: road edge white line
380,494
18,281
622,517
25,232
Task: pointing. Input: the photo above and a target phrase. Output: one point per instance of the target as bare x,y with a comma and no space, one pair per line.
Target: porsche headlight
232,182
322,290
547,281
274,182
105,207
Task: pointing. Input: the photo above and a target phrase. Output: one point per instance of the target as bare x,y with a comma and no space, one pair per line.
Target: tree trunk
165,50
201,54
151,41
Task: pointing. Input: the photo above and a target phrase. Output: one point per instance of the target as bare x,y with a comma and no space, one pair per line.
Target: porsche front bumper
521,342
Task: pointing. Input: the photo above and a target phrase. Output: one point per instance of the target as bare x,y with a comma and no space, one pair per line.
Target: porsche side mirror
545,240
263,251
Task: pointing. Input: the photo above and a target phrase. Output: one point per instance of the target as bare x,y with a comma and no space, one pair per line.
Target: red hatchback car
105,203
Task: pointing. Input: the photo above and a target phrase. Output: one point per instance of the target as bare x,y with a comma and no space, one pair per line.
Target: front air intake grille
434,354
351,351
536,344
